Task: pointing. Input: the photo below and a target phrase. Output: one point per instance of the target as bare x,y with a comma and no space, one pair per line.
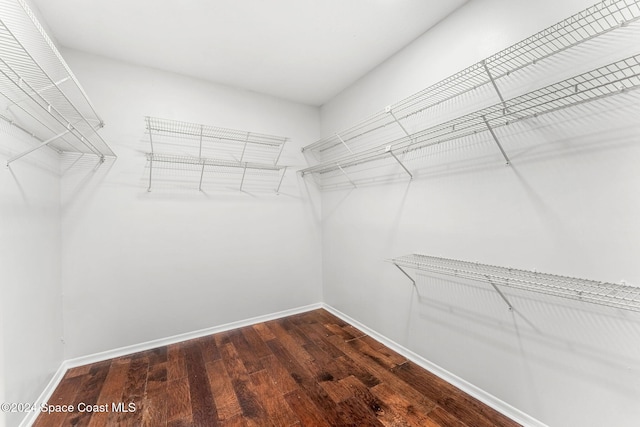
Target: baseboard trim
148,345
44,397
476,392
161,342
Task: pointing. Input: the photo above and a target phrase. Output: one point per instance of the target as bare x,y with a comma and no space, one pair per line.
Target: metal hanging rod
209,146
592,22
40,92
620,296
612,79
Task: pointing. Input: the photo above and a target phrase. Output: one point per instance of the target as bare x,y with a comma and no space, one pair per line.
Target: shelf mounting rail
621,296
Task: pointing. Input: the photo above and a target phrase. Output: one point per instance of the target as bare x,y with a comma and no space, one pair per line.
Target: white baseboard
30,418
124,351
486,398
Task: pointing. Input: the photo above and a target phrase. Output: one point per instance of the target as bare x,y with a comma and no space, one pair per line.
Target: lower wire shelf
203,162
620,296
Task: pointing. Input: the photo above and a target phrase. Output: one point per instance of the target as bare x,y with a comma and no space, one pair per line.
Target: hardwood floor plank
306,411
176,368
178,402
409,411
111,392
280,376
464,407
278,411
376,407
64,394
249,358
203,408
222,390
250,404
264,332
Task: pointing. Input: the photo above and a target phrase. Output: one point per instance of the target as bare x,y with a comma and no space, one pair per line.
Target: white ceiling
302,50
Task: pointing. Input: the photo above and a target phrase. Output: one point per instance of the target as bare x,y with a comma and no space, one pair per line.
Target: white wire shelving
38,92
620,296
209,147
618,77
396,121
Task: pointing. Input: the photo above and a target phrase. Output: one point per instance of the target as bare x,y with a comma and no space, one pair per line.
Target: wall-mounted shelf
615,78
39,93
608,294
583,26
208,147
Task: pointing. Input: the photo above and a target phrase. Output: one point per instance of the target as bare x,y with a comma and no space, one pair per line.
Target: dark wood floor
310,369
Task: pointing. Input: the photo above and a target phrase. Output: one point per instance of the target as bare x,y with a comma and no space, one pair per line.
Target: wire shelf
205,146
39,93
585,25
603,293
615,78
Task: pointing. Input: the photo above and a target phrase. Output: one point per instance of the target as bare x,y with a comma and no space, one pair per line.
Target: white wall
568,205
30,245
139,266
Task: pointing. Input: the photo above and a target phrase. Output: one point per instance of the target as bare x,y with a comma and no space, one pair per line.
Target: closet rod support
31,150
495,138
388,150
244,172
201,176
150,172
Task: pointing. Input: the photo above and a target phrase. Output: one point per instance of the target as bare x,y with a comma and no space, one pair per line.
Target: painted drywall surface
567,205
30,243
141,265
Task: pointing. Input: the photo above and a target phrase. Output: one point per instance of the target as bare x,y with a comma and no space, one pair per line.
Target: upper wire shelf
620,296
38,92
615,78
205,146
594,21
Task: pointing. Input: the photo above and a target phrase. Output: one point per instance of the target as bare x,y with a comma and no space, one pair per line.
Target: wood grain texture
310,369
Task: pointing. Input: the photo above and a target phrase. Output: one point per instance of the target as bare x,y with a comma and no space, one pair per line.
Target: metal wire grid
35,81
585,25
605,81
602,293
205,146
196,130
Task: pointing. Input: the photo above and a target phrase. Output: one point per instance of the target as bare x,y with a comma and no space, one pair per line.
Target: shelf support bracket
281,179
345,174
244,147
201,176
406,274
495,86
47,142
388,150
280,152
150,137
244,172
395,119
495,138
500,293
344,143
200,149
150,171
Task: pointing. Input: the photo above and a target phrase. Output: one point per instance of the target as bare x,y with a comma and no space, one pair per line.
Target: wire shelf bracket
621,296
